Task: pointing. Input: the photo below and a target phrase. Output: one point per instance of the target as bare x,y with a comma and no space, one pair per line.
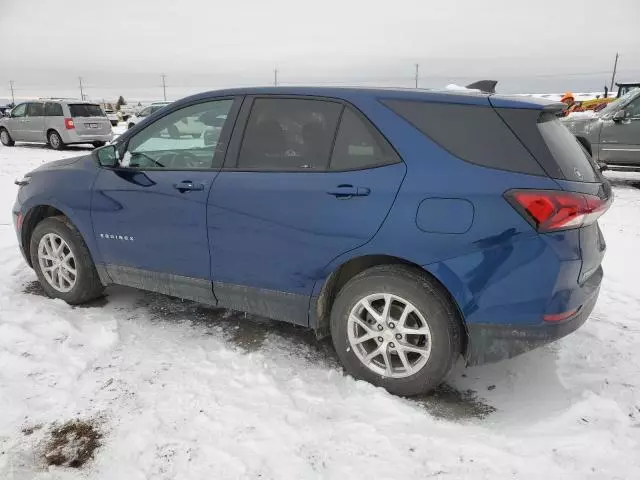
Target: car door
149,213
16,123
620,136
34,122
288,201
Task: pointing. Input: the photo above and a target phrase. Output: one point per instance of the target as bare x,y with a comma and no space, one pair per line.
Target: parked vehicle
411,226
613,132
113,117
57,123
145,112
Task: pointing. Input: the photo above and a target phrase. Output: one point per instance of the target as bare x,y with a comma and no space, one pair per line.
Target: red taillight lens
550,210
559,317
68,124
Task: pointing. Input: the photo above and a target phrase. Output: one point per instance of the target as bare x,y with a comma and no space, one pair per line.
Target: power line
164,86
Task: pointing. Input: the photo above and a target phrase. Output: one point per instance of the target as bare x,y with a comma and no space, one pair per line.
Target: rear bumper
70,136
490,343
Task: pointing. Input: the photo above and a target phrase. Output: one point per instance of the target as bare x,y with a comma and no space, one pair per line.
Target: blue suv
412,226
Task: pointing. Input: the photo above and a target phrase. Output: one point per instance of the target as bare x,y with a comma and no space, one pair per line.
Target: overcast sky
122,46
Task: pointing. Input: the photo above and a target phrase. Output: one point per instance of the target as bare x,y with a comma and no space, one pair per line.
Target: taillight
551,210
68,124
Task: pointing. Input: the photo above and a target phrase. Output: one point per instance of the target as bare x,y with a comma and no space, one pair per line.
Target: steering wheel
188,159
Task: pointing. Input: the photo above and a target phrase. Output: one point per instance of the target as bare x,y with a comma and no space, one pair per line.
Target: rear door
620,139
296,192
89,119
34,122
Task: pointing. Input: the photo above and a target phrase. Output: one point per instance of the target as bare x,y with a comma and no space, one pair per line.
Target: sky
122,47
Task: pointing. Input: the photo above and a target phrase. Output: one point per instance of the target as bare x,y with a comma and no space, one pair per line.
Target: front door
34,122
16,123
149,214
620,139
288,201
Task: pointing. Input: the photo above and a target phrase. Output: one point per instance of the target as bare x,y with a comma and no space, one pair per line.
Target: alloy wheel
57,262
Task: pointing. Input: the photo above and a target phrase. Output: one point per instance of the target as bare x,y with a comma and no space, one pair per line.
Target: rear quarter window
472,133
85,110
53,110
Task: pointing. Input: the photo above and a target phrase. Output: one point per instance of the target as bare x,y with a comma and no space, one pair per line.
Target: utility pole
417,70
164,86
275,77
81,92
613,77
13,98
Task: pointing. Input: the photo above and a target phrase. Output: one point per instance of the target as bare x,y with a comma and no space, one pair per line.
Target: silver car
56,122
614,132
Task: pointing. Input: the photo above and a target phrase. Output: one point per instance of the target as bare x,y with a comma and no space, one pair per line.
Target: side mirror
107,156
619,116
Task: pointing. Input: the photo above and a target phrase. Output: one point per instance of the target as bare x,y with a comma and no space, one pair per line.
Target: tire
434,309
98,144
55,140
114,124
86,285
131,125
5,138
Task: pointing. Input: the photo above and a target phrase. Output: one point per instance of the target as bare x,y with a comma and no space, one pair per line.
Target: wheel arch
321,304
34,216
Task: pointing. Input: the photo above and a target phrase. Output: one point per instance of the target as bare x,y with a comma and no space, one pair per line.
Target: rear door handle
349,191
188,185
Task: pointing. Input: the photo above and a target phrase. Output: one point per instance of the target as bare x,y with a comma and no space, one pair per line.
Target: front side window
35,110
183,140
359,145
85,110
144,112
633,109
19,111
289,134
53,110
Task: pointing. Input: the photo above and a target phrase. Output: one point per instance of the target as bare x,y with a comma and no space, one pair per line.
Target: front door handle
188,185
349,191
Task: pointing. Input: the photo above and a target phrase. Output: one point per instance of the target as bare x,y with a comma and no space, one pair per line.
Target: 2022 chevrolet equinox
412,226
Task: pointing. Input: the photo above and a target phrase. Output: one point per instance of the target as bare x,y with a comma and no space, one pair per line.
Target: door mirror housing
107,156
619,116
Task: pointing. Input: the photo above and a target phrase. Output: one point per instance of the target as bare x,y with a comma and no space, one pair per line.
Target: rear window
85,110
472,133
565,149
53,110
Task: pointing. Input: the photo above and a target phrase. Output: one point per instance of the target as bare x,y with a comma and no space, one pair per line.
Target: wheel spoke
367,305
387,307
403,359
48,246
367,336
403,317
371,355
405,347
415,331
387,361
361,323
63,275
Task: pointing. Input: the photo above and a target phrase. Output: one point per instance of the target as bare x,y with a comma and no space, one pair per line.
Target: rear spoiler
554,108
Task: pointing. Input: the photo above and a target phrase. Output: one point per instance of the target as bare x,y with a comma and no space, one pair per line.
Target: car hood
582,125
65,163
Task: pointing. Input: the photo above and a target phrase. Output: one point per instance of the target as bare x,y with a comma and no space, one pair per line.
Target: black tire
55,140
434,305
98,144
131,125
114,124
5,138
87,285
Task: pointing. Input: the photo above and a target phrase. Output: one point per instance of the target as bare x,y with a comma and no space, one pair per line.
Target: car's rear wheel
131,125
5,138
98,144
55,141
394,327
63,263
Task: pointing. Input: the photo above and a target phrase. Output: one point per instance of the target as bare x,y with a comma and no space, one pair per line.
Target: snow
459,88
181,391
579,115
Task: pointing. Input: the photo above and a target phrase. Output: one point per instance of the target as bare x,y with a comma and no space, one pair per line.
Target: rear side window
472,133
53,110
85,110
35,110
289,134
565,149
359,145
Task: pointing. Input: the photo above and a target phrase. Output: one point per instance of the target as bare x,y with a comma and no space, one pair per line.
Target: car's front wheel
98,144
5,138
63,263
394,327
55,140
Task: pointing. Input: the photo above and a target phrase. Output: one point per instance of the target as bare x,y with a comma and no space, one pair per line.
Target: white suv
145,112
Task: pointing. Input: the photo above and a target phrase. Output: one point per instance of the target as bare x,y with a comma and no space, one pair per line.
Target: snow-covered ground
181,391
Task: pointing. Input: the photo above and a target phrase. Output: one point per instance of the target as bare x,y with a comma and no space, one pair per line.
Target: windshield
616,104
85,110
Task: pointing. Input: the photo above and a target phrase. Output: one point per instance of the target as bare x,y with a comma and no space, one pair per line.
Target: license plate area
92,125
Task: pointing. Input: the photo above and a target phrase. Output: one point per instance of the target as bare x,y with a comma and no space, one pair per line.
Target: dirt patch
34,288
452,404
72,444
